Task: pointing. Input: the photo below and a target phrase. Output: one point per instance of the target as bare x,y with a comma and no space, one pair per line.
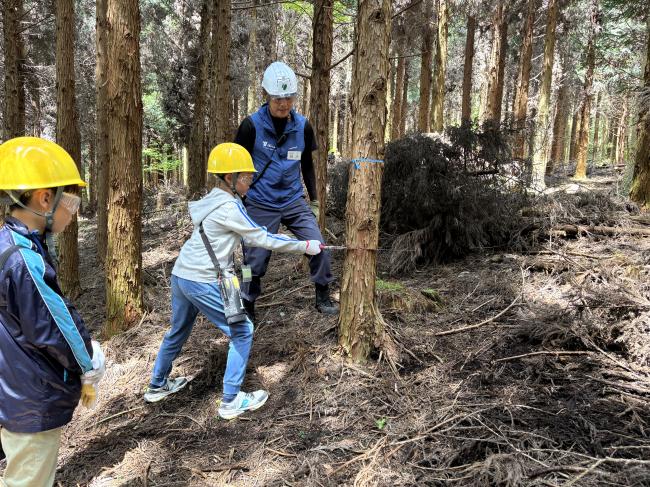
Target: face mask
70,202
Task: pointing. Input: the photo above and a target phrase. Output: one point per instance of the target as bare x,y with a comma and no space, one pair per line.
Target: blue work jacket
281,184
44,345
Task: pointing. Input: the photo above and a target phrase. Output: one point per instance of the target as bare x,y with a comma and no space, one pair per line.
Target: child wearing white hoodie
196,281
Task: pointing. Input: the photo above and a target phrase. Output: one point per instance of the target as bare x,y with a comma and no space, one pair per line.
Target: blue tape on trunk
357,162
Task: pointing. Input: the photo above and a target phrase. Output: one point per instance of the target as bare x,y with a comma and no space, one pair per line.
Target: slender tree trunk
390,90
101,95
32,85
583,134
220,108
14,89
425,68
559,127
335,126
440,69
196,170
521,94
405,100
575,127
640,190
596,129
540,145
399,95
497,65
124,305
254,100
361,326
622,135
466,103
323,37
67,136
92,179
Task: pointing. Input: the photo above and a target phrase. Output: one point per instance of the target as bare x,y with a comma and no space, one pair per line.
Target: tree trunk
33,87
196,171
540,145
405,100
101,94
440,69
466,103
220,108
521,94
596,129
124,305
361,326
254,100
67,136
425,68
583,134
622,135
399,95
497,65
559,127
640,190
334,144
92,177
323,39
14,89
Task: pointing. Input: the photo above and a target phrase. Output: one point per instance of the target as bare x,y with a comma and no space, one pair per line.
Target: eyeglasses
70,202
283,99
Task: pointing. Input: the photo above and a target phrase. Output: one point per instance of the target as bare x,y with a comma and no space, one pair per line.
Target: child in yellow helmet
47,359
204,280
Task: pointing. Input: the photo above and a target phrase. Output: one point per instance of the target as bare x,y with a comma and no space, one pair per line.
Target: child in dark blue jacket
47,359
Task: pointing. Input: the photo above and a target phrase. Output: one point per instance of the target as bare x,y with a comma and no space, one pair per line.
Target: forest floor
551,387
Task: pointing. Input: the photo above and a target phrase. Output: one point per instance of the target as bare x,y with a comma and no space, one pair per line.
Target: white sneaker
244,401
155,394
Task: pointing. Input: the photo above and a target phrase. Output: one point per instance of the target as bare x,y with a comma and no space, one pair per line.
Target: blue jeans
188,298
300,221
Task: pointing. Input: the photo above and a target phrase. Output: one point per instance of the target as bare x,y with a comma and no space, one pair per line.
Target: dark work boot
323,302
249,306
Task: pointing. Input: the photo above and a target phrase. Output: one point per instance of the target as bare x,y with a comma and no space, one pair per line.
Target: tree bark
497,65
559,127
440,69
67,136
521,93
640,190
575,125
361,326
323,39
220,108
124,305
405,100
253,73
425,68
14,89
596,129
196,170
621,137
101,94
399,95
466,103
583,133
540,144
92,177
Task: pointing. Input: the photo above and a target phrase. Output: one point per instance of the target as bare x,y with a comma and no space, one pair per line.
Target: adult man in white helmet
281,142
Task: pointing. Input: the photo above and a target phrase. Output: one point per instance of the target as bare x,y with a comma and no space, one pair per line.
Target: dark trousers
300,221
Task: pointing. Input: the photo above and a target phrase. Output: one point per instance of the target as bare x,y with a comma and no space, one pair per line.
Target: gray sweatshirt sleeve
238,221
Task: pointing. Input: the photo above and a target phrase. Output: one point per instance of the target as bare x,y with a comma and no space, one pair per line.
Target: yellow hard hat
228,158
32,163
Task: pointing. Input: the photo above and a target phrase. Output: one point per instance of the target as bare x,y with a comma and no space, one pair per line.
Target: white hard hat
280,80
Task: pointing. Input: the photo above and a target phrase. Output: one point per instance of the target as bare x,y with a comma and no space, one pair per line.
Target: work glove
90,380
313,247
315,208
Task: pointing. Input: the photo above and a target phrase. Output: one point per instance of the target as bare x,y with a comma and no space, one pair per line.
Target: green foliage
381,423
160,158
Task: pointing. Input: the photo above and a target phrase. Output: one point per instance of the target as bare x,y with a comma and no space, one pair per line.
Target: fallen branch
478,325
543,352
115,416
574,230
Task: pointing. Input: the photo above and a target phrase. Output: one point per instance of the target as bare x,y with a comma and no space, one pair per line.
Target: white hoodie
226,224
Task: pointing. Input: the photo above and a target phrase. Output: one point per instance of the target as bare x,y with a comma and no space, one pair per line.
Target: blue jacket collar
267,121
15,225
